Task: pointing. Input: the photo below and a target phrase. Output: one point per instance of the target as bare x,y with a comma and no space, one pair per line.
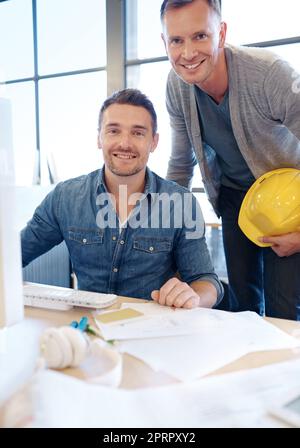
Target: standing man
128,231
235,111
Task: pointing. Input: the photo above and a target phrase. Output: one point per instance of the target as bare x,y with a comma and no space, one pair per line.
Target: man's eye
138,133
112,131
176,41
201,36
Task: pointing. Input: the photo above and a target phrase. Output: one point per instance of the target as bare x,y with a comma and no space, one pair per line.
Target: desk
136,374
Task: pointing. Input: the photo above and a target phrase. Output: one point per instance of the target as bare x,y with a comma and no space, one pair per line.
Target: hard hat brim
247,227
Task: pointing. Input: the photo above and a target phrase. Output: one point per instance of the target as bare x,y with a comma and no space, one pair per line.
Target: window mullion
115,32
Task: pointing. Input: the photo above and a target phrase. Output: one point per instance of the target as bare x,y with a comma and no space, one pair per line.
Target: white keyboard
46,296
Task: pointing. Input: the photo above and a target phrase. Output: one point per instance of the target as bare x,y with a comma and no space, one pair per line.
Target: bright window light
260,20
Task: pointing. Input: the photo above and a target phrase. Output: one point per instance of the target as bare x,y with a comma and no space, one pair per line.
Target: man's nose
125,141
189,50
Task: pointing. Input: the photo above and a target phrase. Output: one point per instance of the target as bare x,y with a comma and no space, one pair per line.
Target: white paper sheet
238,399
221,338
159,321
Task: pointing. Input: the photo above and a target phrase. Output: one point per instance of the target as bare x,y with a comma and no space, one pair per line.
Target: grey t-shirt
216,130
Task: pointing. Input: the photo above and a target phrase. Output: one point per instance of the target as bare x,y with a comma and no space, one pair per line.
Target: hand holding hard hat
284,245
271,206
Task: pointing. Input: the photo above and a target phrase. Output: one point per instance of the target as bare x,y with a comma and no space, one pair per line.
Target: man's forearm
206,291
36,240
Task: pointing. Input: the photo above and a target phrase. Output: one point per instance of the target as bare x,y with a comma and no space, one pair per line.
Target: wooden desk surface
136,373
23,348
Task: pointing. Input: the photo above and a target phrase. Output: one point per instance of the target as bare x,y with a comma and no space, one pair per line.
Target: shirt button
151,248
84,240
122,242
115,269
114,238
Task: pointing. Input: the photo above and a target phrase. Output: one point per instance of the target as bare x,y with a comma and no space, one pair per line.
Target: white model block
11,295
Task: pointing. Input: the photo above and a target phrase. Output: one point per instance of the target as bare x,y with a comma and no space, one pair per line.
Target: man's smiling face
126,138
193,35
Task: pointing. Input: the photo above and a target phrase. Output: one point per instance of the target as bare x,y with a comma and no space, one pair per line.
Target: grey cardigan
264,101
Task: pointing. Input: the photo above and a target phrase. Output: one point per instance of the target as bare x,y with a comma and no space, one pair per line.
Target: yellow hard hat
271,205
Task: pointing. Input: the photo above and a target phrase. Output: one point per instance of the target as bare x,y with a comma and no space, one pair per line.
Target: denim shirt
132,260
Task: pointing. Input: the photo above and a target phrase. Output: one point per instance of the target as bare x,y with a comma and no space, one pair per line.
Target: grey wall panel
52,268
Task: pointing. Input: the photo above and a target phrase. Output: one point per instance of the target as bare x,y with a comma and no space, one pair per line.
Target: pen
74,324
83,324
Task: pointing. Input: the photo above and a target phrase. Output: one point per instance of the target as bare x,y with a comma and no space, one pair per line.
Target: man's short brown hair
172,4
132,97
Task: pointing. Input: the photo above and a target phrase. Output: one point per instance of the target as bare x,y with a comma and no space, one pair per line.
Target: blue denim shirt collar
150,184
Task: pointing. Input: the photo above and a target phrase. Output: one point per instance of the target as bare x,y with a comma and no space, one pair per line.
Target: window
258,21
71,35
16,42
264,23
54,60
143,29
69,108
53,56
24,131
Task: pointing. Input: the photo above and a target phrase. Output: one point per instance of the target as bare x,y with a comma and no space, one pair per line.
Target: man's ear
164,41
99,142
222,35
154,142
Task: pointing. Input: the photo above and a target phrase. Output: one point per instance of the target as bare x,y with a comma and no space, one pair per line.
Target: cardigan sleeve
282,90
182,160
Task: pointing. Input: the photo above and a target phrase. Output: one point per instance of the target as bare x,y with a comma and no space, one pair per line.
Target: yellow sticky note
118,315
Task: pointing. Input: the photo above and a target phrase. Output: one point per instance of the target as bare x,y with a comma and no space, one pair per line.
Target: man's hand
284,245
176,293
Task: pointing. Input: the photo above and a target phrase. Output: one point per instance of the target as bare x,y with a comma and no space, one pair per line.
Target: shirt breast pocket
85,246
152,254
85,236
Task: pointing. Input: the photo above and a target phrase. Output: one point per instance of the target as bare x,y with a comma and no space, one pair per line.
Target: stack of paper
188,344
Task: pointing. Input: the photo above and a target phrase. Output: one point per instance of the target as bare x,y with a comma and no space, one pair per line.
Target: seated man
127,230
